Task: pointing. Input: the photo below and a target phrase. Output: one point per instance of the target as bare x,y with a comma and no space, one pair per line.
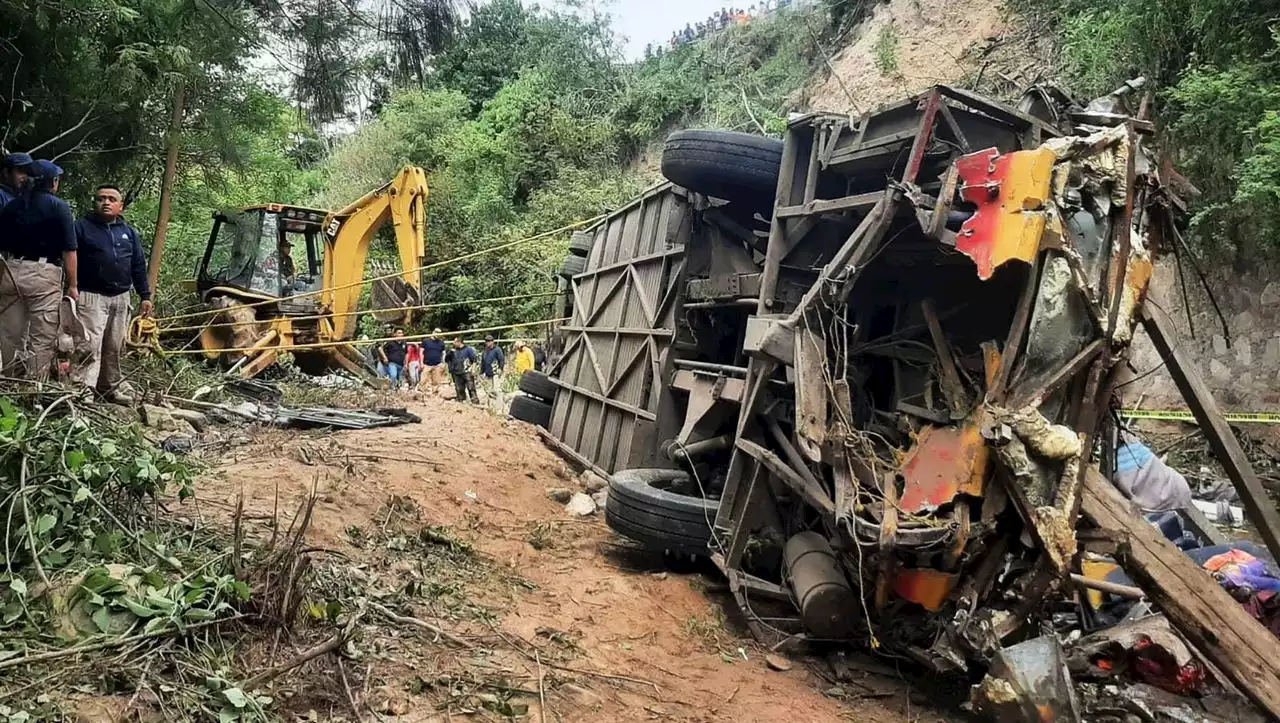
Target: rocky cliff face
1241,363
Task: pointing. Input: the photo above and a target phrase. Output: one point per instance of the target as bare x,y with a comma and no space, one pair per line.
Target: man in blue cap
14,173
114,265
37,247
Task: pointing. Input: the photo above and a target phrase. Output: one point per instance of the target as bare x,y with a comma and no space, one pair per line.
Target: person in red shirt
413,365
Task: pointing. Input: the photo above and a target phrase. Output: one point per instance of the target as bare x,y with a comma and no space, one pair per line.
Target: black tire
732,166
533,411
573,266
539,385
642,506
581,242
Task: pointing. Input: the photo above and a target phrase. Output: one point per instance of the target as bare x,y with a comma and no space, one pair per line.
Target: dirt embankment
565,592
906,46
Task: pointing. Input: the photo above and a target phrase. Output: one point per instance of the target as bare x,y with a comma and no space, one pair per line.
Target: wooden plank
1258,506
948,374
942,207
999,388
568,453
1218,626
1037,389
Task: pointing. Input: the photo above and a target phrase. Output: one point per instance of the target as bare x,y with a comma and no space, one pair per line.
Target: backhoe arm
349,231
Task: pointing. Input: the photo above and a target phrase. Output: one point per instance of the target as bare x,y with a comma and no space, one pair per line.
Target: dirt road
483,481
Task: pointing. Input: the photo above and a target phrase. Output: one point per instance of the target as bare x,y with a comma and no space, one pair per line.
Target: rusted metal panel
945,462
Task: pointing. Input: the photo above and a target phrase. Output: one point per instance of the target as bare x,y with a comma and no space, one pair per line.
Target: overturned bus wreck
869,370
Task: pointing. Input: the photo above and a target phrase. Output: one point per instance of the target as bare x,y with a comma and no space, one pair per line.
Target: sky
652,21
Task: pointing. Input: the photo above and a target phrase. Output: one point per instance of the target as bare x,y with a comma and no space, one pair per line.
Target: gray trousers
106,322
30,295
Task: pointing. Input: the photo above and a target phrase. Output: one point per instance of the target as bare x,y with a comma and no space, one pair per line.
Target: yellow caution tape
1185,416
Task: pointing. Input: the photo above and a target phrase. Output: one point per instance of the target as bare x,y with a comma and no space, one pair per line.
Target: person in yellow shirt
524,358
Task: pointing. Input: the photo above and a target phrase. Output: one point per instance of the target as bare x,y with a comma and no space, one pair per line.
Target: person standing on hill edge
37,248
492,362
433,359
460,359
112,264
539,357
14,175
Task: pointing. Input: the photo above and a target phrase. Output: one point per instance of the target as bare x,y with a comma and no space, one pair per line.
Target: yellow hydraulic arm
348,232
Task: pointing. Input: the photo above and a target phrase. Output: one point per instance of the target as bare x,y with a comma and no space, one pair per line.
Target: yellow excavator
279,275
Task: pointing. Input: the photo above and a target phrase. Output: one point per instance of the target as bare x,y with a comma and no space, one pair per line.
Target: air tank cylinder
828,605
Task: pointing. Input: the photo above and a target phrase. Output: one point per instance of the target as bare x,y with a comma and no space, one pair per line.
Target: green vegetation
886,51
525,118
1215,66
530,122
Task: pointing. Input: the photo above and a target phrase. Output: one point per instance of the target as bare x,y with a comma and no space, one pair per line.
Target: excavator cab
264,252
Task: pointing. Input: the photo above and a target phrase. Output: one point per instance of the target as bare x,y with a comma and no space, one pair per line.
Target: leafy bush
1215,65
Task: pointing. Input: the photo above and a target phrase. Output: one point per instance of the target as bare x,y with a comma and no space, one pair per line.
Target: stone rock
1242,323
1271,353
1244,352
580,505
777,662
1270,296
194,418
158,417
559,494
1219,371
600,498
178,444
592,482
1219,344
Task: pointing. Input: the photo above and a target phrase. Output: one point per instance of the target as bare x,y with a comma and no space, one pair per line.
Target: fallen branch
423,624
328,646
542,691
105,644
346,688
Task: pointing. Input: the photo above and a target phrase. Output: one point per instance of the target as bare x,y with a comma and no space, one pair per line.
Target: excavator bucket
390,296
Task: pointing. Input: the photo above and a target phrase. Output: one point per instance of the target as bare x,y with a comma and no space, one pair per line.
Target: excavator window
256,250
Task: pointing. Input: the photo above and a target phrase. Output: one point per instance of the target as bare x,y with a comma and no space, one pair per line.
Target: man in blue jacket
37,248
492,364
460,360
111,265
